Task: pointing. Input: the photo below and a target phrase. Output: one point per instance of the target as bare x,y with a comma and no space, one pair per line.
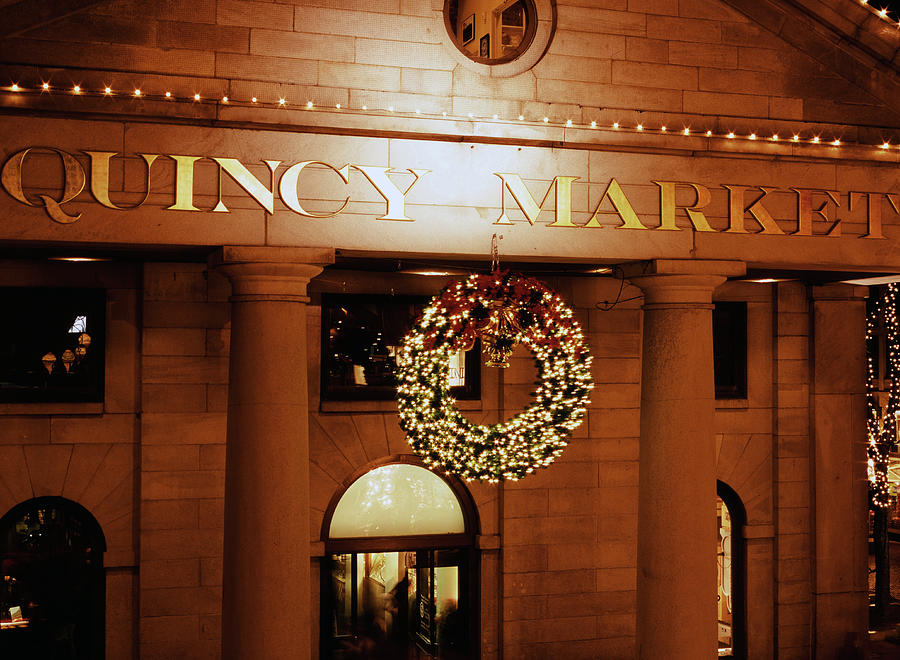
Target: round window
491,33
499,38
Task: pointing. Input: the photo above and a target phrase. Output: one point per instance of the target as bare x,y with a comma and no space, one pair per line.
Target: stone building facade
330,142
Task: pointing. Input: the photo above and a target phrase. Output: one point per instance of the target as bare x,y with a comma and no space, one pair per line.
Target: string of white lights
882,13
881,421
805,137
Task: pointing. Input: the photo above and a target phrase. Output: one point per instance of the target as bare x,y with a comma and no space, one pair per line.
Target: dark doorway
52,584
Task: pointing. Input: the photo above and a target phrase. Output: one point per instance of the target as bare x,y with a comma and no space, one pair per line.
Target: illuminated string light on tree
535,317
881,421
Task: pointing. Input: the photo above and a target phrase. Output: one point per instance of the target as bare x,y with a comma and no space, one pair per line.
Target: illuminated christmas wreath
504,309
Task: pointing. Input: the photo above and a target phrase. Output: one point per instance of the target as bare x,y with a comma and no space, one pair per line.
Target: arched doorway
52,585
399,578
731,572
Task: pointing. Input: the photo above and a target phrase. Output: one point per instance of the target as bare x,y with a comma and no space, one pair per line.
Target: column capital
680,281
839,291
260,273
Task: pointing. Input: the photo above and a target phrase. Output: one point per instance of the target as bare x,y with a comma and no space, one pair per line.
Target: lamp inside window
52,347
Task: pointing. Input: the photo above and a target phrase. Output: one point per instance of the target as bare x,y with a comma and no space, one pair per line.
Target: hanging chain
495,252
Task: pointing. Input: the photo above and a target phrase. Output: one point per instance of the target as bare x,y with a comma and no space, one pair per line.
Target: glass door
404,605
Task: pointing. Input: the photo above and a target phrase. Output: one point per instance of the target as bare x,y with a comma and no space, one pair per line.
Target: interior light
433,272
874,281
79,259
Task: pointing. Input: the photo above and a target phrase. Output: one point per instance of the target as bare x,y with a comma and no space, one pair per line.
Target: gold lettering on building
815,207
184,183
620,203
667,206
290,182
246,180
73,184
395,198
514,184
805,211
100,178
737,211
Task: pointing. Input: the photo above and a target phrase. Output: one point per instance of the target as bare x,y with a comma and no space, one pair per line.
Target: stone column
266,565
838,466
676,563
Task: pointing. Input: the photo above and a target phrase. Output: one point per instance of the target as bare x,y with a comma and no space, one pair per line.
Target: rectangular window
730,349
361,336
52,344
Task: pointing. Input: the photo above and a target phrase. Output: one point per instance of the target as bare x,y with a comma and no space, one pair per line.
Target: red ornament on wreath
504,309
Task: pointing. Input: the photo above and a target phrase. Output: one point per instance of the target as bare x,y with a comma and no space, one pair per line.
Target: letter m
514,184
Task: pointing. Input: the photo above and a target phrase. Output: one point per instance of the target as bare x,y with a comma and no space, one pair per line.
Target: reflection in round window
491,32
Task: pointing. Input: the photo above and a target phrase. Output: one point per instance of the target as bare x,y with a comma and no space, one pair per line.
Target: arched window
731,571
52,585
399,574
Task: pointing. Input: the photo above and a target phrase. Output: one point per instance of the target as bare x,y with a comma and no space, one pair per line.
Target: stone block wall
691,63
184,379
792,471
87,452
569,532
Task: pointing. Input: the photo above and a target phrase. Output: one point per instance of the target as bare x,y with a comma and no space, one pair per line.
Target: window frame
465,543
469,392
738,360
96,299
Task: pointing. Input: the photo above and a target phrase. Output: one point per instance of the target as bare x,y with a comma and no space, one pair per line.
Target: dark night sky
893,7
